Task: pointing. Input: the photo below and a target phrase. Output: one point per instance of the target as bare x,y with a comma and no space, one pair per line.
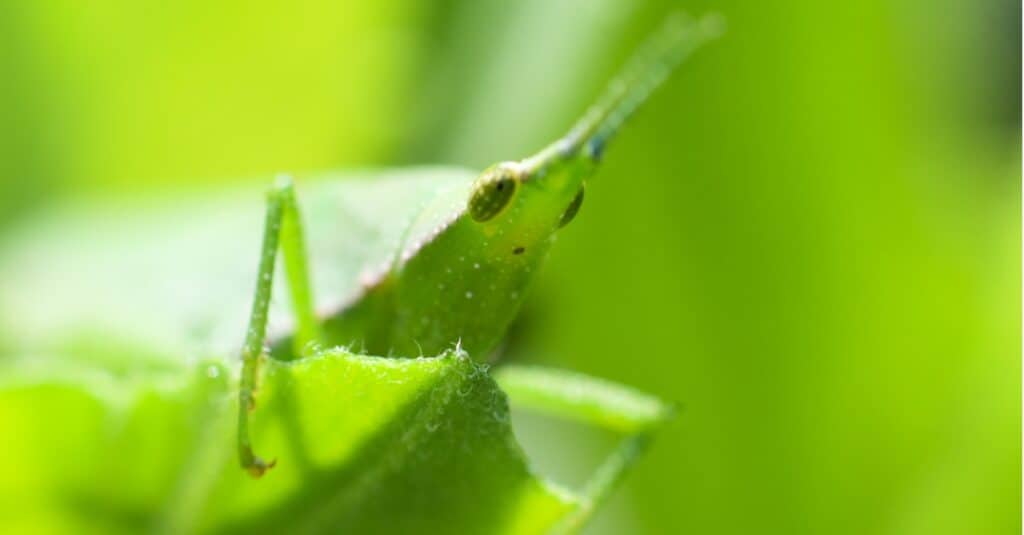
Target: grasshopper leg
282,228
635,416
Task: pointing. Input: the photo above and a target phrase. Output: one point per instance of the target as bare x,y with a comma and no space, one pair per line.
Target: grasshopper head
520,204
470,277
467,280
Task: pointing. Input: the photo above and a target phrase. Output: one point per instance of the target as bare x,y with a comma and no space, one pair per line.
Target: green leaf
365,445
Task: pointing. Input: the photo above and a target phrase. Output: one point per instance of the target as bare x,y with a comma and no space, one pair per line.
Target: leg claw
259,467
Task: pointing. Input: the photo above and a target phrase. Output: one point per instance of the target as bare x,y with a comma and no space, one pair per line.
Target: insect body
148,295
467,260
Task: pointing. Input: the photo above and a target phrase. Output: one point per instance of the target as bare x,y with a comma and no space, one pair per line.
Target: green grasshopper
452,256
461,280
463,269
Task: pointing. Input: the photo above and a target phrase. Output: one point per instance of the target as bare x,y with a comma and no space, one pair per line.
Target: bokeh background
810,238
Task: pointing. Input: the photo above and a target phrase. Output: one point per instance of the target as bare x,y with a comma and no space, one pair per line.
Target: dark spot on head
519,250
574,207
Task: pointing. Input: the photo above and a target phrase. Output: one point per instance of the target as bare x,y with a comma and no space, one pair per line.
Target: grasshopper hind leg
282,229
635,416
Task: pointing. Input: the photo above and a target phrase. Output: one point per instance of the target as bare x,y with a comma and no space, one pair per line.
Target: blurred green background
810,238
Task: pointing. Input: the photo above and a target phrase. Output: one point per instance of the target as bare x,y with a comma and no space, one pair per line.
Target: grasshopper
464,267
447,258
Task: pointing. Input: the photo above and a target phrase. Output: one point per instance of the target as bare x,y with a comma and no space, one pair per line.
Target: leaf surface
174,276
365,445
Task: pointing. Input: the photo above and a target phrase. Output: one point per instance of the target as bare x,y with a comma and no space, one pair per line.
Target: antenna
650,66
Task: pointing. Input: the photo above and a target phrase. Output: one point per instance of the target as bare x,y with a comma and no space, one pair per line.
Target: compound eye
573,208
492,194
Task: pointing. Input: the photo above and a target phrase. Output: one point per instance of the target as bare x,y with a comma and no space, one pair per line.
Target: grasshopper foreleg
282,228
